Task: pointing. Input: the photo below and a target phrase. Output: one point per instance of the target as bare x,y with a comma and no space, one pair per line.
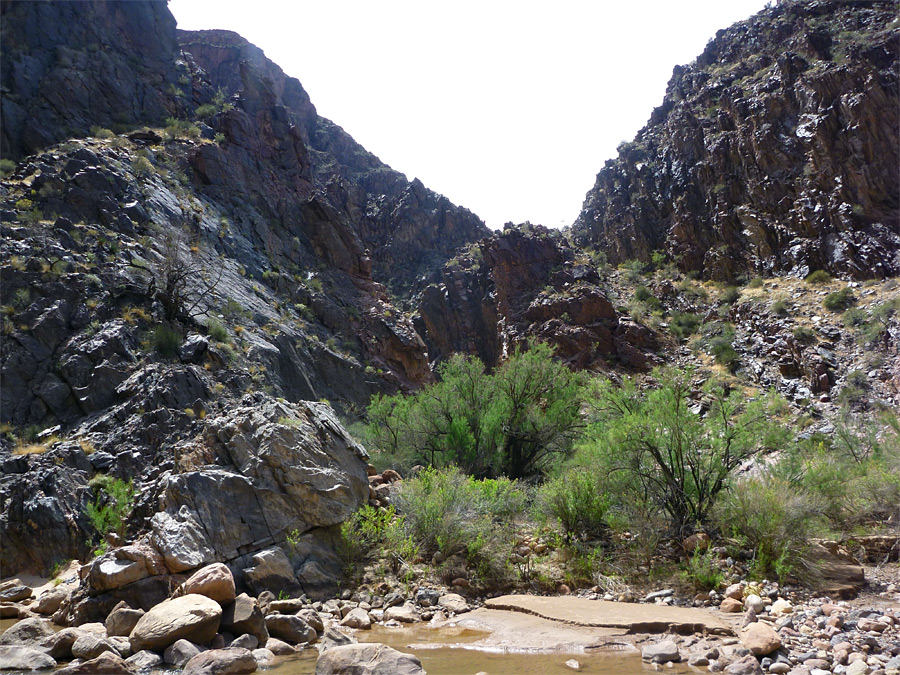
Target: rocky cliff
775,152
220,240
528,282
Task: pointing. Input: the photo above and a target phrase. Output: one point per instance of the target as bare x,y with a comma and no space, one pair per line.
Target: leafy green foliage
818,277
702,571
7,166
652,446
730,295
776,520
112,504
166,341
511,423
575,501
804,335
839,300
684,324
216,330
445,511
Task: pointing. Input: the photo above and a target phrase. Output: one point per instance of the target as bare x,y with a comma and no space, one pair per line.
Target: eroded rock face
129,49
289,467
776,151
527,282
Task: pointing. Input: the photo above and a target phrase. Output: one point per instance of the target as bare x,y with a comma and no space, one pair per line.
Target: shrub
756,282
101,133
723,351
206,110
445,511
661,452
216,330
113,502
701,570
643,294
7,166
804,335
684,324
839,300
854,317
780,308
575,501
634,270
818,278
142,166
776,520
166,341
730,295
514,422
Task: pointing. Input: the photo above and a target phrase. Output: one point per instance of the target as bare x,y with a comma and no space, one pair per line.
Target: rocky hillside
775,152
196,238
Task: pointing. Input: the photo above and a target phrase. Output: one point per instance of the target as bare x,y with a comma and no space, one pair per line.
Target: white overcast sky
508,108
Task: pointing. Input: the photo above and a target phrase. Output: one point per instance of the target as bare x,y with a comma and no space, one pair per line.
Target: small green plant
839,300
818,277
113,501
634,271
643,294
216,330
804,335
7,166
701,570
756,282
166,341
684,324
205,110
575,501
219,139
780,307
142,166
21,298
730,295
101,133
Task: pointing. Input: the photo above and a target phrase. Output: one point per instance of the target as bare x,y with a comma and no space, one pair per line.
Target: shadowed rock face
776,151
408,229
69,65
527,282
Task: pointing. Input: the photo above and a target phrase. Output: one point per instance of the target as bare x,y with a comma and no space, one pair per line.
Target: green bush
776,520
839,300
142,166
217,331
514,422
804,335
7,166
575,501
166,341
445,511
684,324
206,110
818,277
634,270
702,571
780,308
114,499
660,452
724,353
730,295
756,282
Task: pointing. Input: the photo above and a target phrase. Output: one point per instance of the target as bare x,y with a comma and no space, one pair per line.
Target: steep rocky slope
226,243
775,152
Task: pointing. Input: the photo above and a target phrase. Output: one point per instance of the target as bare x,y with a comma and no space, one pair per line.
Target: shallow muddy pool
449,651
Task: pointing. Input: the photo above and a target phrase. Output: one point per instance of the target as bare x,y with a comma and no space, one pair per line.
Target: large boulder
122,620
20,657
367,659
245,616
108,663
29,632
290,628
192,617
294,468
271,571
231,661
180,540
214,581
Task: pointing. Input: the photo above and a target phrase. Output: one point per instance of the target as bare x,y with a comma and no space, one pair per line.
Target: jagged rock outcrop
527,282
70,65
407,230
775,152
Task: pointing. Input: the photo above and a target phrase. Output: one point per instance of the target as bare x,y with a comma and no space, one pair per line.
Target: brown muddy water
449,651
